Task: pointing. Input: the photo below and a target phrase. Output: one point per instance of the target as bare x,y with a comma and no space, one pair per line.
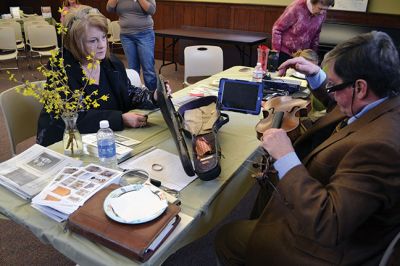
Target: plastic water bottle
106,145
258,73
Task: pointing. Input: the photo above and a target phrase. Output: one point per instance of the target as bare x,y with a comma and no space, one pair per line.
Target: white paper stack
71,188
30,171
121,145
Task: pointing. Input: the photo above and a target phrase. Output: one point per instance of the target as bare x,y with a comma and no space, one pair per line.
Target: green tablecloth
208,202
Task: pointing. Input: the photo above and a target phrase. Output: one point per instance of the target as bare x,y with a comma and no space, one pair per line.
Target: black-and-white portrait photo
43,162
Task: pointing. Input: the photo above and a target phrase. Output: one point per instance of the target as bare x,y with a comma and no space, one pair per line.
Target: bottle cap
104,124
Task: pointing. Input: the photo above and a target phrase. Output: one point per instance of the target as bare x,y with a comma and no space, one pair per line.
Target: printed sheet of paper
171,175
203,90
30,171
90,141
72,187
15,12
46,11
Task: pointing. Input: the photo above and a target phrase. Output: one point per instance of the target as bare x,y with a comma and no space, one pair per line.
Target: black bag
206,151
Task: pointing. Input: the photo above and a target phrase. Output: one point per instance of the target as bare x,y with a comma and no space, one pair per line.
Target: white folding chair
8,45
134,77
28,24
21,115
34,18
115,39
42,39
202,60
18,32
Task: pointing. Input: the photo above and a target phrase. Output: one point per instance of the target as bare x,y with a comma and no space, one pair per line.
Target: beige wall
385,7
374,6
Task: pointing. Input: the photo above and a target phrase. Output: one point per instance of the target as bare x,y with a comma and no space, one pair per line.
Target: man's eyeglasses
331,88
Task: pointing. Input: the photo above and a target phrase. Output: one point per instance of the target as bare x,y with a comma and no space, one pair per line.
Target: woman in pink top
299,26
67,5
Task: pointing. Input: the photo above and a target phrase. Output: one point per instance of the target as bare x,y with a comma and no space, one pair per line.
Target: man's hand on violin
299,64
276,142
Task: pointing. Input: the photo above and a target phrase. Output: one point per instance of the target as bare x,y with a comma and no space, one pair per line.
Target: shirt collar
366,109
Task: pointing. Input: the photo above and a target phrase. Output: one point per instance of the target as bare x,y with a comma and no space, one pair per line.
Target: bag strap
222,120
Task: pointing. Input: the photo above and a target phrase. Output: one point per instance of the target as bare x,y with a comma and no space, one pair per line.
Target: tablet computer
240,96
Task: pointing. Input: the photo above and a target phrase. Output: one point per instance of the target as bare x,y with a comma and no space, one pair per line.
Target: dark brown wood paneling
218,15
271,15
260,18
246,17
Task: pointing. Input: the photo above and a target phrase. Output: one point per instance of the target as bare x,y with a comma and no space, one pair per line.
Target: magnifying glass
140,176
133,176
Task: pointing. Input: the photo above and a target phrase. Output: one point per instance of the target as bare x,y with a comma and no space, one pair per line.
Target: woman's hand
134,120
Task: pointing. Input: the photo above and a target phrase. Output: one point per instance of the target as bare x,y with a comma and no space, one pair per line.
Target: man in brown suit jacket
337,201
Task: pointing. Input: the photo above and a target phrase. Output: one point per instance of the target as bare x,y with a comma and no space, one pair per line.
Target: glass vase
72,139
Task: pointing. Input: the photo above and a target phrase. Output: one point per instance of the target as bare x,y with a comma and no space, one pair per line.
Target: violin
279,112
283,112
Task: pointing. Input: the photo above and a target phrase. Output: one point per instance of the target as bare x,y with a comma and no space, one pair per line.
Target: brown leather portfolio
131,240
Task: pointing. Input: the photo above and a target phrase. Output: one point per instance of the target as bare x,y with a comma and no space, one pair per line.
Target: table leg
241,53
174,41
163,55
173,54
250,55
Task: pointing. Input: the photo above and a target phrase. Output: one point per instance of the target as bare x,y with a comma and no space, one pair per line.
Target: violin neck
277,121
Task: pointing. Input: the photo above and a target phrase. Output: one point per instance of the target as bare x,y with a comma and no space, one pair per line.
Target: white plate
134,204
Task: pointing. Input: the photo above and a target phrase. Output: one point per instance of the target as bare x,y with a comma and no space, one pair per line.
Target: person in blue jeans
137,35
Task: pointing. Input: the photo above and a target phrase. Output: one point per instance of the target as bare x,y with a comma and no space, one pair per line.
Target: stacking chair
115,34
42,40
202,60
134,77
8,45
34,18
28,24
21,115
18,32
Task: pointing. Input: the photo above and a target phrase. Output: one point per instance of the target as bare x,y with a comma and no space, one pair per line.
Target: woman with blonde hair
87,35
